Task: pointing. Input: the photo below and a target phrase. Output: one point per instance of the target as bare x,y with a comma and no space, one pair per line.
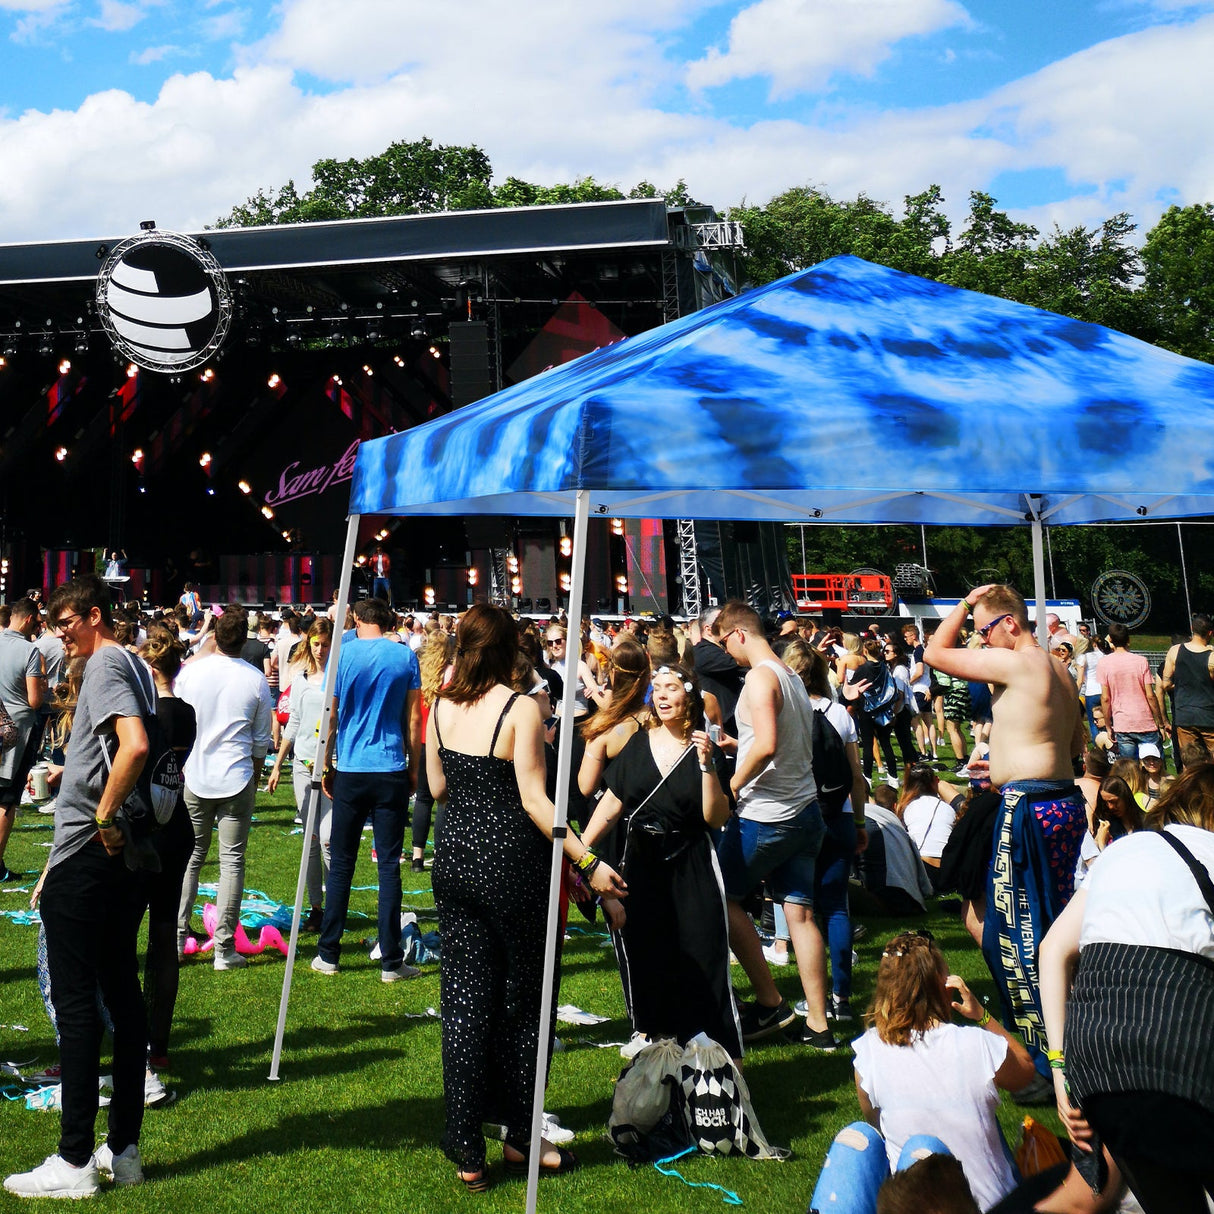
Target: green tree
407,178
1092,274
1178,258
993,252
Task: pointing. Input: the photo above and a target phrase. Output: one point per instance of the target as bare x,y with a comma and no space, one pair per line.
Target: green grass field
355,1119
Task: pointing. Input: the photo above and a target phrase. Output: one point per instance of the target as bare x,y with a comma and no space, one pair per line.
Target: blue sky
115,110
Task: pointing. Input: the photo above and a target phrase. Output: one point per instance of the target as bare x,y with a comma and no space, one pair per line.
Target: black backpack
832,771
150,804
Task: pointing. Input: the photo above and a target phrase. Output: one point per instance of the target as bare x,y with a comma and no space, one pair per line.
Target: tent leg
1039,573
564,764
312,799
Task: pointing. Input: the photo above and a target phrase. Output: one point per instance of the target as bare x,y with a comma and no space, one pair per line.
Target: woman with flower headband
918,1072
671,933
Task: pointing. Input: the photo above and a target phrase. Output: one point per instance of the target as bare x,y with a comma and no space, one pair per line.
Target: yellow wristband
986,1019
967,605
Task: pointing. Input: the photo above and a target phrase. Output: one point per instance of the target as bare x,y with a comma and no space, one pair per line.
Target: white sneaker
774,958
637,1043
155,1095
124,1168
55,1177
321,966
230,961
552,1130
400,973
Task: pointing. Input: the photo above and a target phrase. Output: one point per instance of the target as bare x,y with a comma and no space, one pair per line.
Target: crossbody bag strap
1195,867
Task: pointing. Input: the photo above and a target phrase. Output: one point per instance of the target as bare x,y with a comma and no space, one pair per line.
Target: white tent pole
1039,571
1184,577
313,795
564,765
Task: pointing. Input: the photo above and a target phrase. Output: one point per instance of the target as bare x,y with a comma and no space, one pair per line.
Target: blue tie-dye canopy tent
845,393
849,392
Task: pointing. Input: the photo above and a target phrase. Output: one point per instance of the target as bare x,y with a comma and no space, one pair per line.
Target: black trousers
91,907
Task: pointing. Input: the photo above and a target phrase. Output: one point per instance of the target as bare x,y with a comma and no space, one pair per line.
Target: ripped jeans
856,1166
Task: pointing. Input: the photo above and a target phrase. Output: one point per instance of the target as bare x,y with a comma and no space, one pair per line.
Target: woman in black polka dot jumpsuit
485,759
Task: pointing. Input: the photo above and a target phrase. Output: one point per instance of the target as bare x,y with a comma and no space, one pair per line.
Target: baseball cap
1148,750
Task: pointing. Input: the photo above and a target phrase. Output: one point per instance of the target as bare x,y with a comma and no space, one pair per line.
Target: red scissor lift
857,593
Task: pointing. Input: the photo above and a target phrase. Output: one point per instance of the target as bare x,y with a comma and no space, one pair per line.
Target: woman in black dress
490,882
672,939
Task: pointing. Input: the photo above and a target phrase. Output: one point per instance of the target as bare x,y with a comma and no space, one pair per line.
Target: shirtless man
1038,726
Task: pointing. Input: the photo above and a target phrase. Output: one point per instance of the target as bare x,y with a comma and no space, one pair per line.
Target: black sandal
518,1167
476,1182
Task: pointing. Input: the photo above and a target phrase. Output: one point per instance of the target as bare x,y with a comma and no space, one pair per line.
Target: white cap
1148,750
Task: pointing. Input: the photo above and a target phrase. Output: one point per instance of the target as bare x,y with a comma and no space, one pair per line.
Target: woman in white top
1087,656
1127,989
917,1073
929,820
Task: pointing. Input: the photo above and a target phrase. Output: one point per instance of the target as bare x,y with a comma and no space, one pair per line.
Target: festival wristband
966,606
105,823
986,1018
587,862
1056,1059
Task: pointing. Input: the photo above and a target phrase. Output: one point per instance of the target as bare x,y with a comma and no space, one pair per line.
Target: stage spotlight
60,454
64,367
82,343
3,362
204,460
435,352
131,370
367,369
274,380
267,511
210,491
419,331
137,456
244,487
207,375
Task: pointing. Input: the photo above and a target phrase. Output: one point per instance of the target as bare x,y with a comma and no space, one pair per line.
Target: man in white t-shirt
233,708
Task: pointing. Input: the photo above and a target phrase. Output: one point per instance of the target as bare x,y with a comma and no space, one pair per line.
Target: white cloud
802,44
551,100
223,26
115,16
153,54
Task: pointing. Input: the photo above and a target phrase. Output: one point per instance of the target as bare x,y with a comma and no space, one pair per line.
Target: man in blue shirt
377,723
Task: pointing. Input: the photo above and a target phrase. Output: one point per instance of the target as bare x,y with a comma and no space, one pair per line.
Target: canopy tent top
849,392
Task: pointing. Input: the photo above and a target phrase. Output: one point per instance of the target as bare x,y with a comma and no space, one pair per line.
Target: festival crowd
734,781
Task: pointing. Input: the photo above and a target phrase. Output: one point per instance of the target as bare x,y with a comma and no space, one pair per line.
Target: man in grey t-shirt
92,906
22,688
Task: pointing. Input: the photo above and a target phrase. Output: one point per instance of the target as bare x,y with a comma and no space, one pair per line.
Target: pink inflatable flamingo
269,937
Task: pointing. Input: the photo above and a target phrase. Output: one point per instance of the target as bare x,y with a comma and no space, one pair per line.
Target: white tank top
786,785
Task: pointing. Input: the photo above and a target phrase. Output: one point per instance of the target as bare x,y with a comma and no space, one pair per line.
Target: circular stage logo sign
164,301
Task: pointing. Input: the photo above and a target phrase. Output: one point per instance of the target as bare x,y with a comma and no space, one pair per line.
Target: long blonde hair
435,657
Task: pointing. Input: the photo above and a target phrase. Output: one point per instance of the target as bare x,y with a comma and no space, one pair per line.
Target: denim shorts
784,854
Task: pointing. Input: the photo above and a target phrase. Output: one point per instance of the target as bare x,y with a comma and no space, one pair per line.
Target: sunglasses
985,630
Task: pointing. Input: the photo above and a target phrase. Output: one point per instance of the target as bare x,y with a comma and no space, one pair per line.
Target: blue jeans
856,1166
785,854
381,588
830,898
1128,743
382,796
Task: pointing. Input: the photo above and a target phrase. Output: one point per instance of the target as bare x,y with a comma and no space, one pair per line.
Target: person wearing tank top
777,831
1188,672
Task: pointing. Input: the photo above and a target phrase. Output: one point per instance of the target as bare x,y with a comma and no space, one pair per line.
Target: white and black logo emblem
164,301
